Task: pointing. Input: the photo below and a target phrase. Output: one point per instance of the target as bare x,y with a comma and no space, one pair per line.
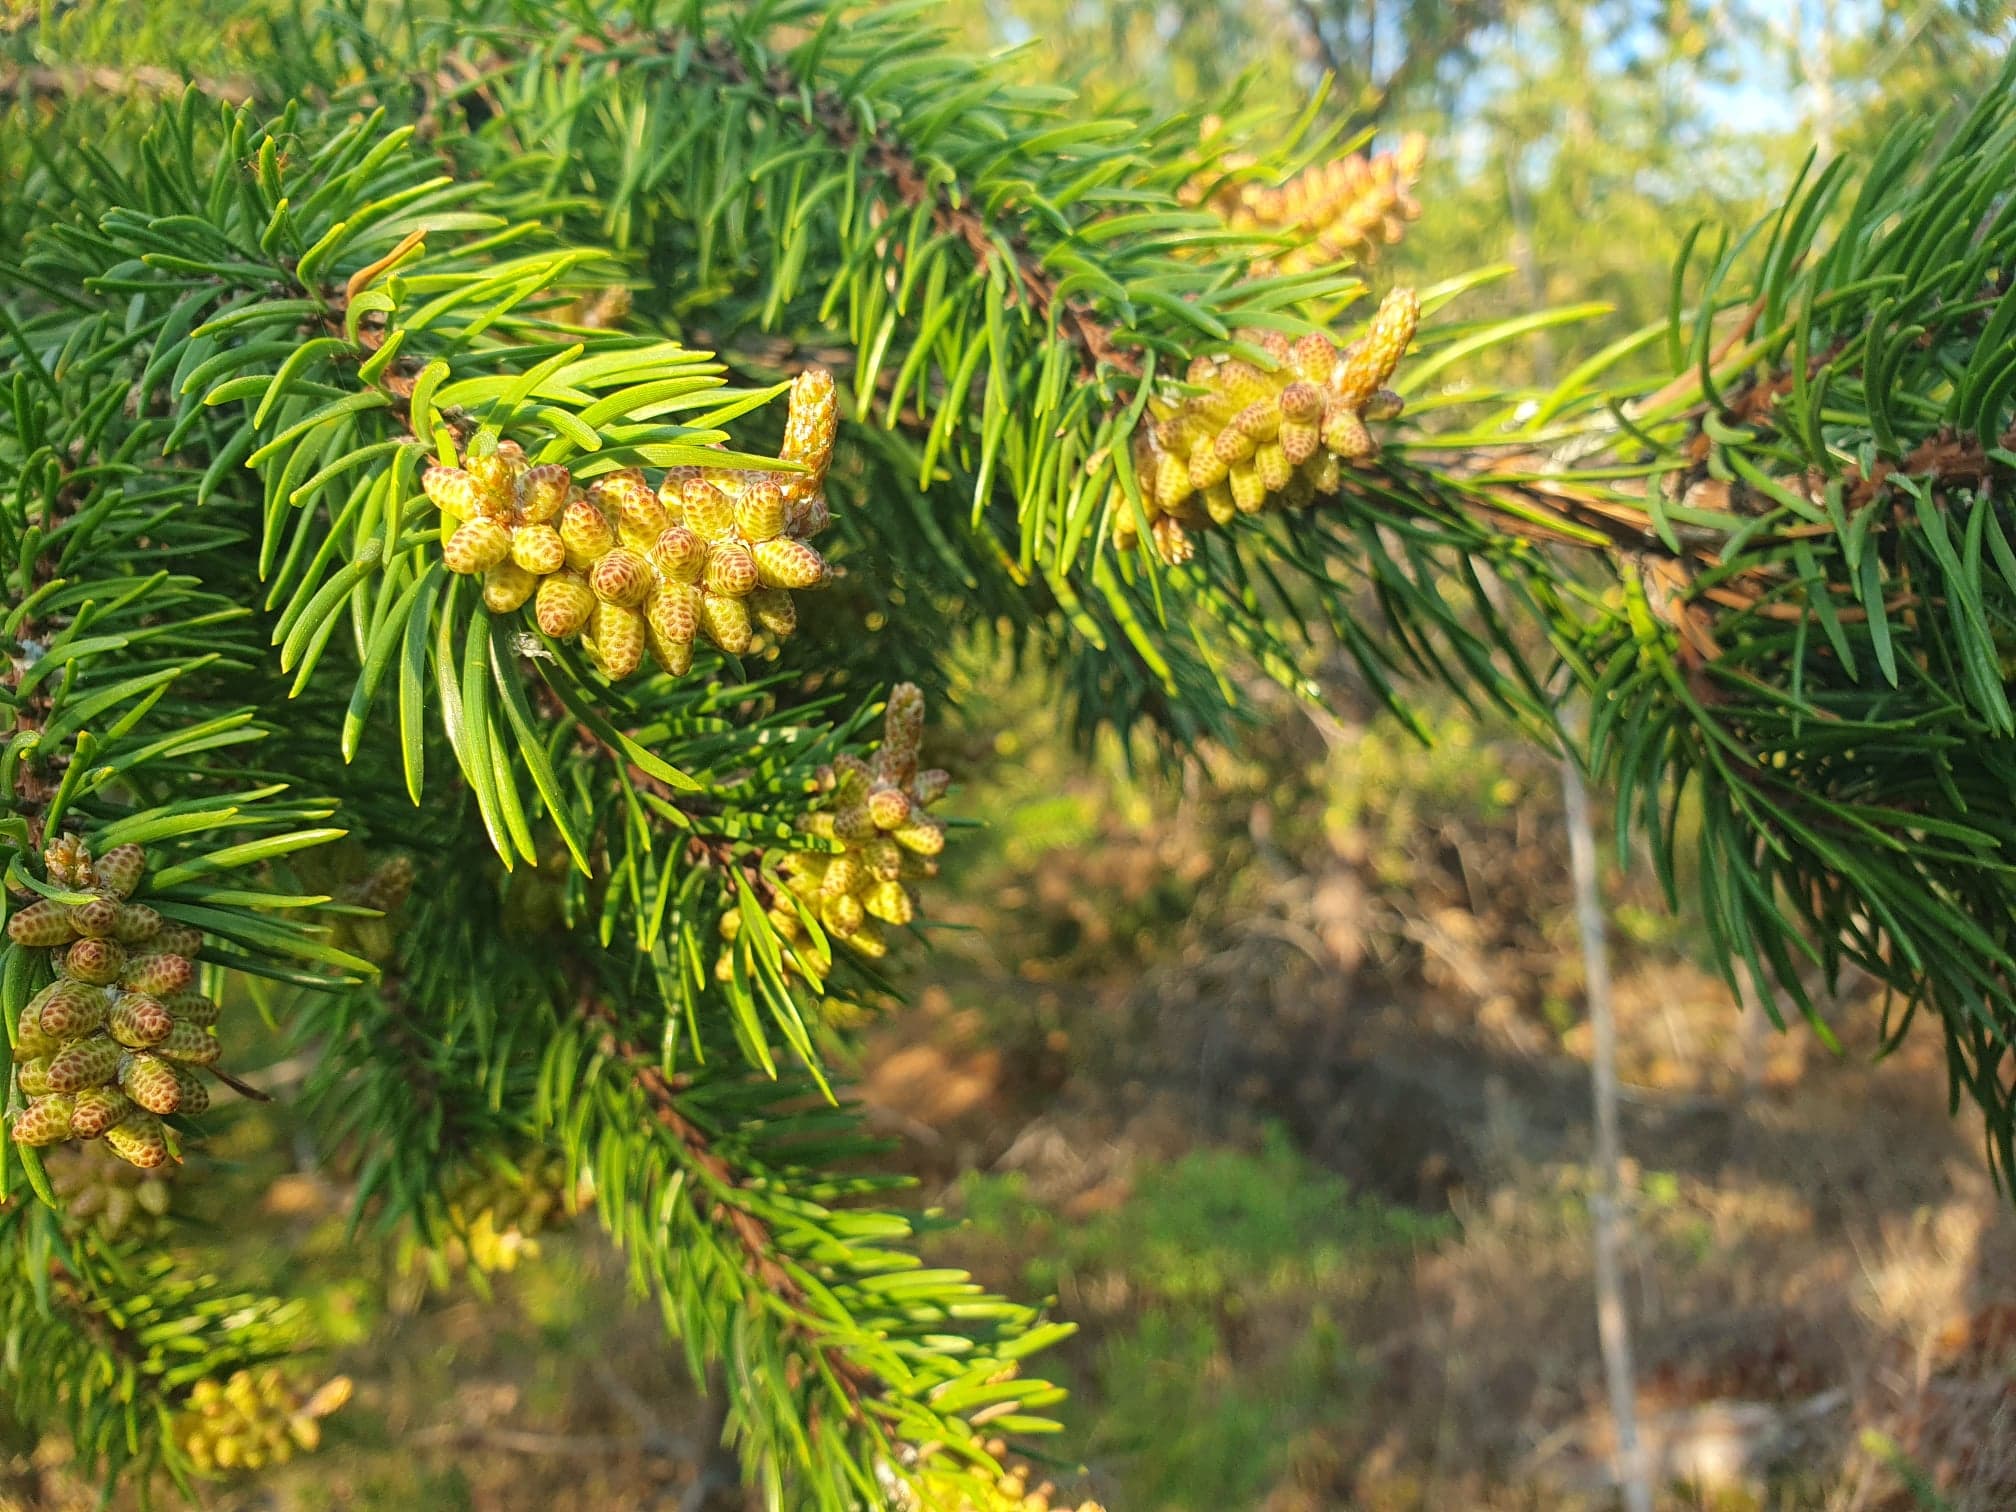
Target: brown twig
568,1445
140,79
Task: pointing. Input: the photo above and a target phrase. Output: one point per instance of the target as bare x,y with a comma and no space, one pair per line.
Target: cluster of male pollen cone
495,1219
386,887
1342,211
636,569
254,1419
114,1042
876,813
1249,438
100,1190
1014,1490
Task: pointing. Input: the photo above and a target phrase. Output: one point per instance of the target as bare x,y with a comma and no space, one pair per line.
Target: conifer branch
1781,572
826,118
758,1245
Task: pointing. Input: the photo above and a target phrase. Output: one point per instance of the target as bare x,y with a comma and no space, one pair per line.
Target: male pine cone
113,1043
1342,211
251,1421
635,569
1250,438
100,1190
877,817
1015,1489
495,1218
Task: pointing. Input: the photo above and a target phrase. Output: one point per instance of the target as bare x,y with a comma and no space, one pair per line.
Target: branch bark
139,79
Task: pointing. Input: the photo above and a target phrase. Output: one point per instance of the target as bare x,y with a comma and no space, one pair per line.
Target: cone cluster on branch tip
637,570
876,813
254,1419
385,888
101,1190
494,1220
1342,211
1250,438
1011,1492
114,1043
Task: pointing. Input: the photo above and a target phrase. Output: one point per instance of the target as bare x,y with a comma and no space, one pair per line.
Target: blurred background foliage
1276,1079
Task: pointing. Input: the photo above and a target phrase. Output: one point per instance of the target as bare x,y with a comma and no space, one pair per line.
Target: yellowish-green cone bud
615,639
1207,466
680,554
195,1093
476,547
563,604
538,549
640,520
150,1082
883,858
1171,477
119,869
42,923
96,920
451,490
66,1010
774,611
788,563
1259,421
139,1139
625,489
1344,433
45,1121
1270,461
841,914
923,835
1248,492
137,924
1371,362
586,534
844,874
158,972
190,1043
96,1110
1384,405
852,778
95,961
731,570
139,1020
672,618
726,621
1299,440
620,577
890,902
889,808
709,513
759,513
542,493
853,823
506,587
192,1008
495,484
